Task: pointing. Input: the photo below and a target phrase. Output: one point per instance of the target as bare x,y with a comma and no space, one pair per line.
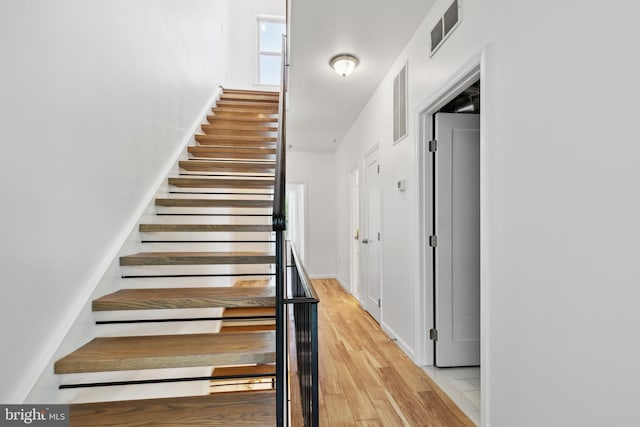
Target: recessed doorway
451,222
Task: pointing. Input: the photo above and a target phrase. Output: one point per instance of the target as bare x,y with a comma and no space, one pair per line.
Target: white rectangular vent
436,36
450,18
445,26
400,105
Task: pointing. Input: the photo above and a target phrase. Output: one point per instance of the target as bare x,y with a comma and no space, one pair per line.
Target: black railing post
281,347
313,330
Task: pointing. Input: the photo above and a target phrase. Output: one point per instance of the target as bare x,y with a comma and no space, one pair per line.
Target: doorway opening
455,193
354,227
295,215
451,221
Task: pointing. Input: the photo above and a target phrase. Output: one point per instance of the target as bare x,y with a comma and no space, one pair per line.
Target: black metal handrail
279,214
303,288
305,314
279,225
303,298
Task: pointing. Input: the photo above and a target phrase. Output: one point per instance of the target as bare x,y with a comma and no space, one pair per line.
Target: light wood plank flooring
365,379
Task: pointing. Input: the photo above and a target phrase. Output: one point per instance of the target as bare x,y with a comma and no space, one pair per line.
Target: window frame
259,21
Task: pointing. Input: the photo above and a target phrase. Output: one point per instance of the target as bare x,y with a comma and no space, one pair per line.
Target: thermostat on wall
402,185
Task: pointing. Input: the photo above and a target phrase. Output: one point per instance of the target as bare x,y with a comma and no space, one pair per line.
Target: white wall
399,211
317,172
243,38
96,97
560,204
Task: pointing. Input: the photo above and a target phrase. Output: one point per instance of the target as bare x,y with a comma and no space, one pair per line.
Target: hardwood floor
365,379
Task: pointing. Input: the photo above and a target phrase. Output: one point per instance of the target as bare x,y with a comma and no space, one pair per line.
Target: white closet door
372,239
457,204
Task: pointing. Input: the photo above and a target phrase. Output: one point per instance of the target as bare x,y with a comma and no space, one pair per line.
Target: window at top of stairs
270,31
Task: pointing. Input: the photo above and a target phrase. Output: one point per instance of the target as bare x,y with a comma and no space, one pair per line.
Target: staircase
213,230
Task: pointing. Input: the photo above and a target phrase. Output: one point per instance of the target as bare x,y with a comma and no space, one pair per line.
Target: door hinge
433,334
378,302
433,145
433,241
378,236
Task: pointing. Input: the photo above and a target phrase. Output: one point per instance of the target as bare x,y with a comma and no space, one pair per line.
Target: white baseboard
346,287
403,345
81,299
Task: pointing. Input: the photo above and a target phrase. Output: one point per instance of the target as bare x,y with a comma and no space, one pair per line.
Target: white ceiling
322,104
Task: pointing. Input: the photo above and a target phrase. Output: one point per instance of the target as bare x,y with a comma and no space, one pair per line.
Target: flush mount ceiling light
344,64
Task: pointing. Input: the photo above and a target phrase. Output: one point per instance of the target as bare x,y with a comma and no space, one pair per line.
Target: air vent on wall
436,36
445,26
400,105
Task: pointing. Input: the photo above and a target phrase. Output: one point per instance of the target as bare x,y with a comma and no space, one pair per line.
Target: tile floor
463,387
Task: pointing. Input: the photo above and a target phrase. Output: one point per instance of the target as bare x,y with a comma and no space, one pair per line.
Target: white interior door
371,239
457,214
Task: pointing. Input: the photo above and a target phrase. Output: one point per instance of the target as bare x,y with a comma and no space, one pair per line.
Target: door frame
355,183
477,67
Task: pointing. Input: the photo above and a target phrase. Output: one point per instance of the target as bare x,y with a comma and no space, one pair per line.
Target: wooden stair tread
170,298
252,130
230,327
242,228
246,370
241,120
242,283
196,258
239,127
239,138
232,153
197,182
248,135
245,109
252,408
213,166
271,151
226,144
169,351
249,311
251,96
237,113
267,106
213,203
234,143
255,97
236,319
238,135
263,92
